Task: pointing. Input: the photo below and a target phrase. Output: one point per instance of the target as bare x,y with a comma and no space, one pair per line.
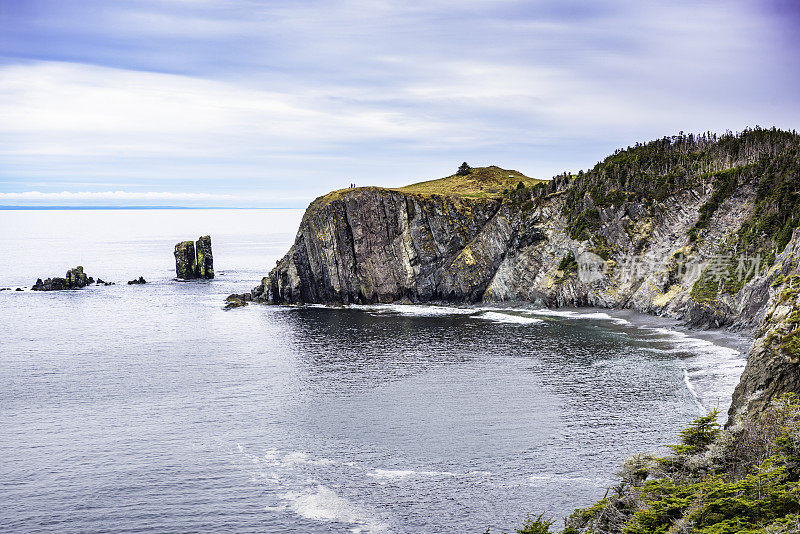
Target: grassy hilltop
481,182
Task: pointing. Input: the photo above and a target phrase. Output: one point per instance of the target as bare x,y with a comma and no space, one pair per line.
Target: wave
710,370
323,504
294,474
570,314
413,310
508,318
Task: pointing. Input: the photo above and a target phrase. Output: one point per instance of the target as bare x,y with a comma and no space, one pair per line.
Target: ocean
150,408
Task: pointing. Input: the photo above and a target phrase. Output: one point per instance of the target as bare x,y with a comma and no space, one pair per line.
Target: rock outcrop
371,245
236,301
74,279
194,261
690,228
772,367
137,281
205,258
185,260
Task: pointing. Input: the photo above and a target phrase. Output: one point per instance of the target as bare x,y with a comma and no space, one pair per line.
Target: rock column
185,258
205,259
194,260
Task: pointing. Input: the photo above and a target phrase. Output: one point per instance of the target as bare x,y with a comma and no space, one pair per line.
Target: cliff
701,229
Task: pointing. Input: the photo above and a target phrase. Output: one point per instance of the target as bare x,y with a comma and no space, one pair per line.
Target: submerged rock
194,261
74,279
237,300
19,289
137,281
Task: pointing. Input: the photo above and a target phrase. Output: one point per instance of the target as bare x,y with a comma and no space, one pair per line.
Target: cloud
283,99
53,108
108,195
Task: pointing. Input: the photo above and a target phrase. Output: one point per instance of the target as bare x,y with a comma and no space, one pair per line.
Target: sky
251,103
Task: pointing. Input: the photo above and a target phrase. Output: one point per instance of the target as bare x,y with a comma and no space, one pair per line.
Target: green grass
482,182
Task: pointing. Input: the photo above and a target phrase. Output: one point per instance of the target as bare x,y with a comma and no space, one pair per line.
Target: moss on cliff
768,229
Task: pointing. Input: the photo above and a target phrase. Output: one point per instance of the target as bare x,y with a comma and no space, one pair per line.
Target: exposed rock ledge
74,279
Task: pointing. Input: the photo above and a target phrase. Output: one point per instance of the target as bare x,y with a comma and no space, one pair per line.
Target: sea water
149,408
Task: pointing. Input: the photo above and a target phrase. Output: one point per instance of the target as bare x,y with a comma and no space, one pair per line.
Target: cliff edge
697,228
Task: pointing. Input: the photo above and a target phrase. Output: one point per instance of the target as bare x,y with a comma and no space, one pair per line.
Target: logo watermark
632,267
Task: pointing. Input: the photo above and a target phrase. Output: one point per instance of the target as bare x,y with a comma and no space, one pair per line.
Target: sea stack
194,261
185,260
205,259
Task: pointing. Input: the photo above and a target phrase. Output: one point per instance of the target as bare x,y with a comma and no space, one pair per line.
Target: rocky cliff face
772,367
692,232
371,245
194,261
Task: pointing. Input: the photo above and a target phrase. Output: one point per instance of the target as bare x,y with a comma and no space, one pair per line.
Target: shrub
699,435
537,525
568,264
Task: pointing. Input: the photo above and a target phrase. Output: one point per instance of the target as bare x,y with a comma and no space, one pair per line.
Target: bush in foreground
739,480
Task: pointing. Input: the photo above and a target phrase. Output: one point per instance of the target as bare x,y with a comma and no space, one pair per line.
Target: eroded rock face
773,365
372,245
205,258
74,279
194,261
185,260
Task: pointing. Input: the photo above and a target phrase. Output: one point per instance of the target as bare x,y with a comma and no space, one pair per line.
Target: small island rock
74,279
137,281
194,261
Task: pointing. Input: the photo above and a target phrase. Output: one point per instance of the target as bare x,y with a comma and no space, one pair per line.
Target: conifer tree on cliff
464,169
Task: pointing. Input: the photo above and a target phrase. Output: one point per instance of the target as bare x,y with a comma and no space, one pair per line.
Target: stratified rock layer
374,245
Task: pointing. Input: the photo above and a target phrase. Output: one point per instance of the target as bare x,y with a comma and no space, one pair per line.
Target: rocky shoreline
190,263
676,256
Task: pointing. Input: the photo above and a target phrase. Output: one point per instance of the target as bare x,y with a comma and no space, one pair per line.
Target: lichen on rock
74,279
205,258
185,260
194,261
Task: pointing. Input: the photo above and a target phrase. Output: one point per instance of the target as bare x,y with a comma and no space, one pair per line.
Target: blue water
151,409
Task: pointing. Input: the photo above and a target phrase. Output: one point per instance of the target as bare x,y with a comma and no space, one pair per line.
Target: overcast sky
272,103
